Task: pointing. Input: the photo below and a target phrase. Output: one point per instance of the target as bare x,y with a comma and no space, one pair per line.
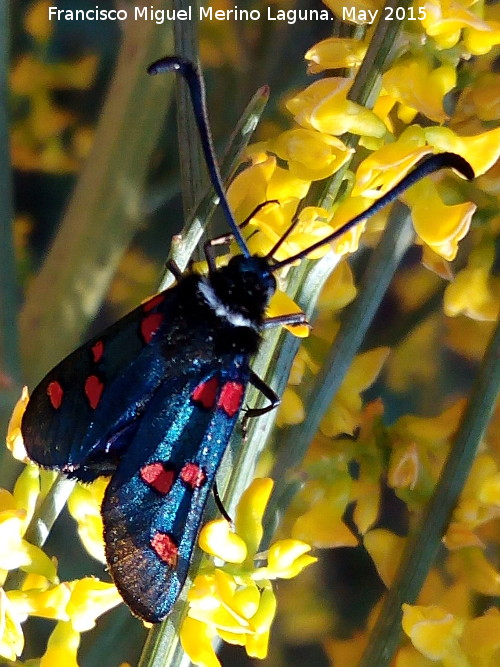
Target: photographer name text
161,16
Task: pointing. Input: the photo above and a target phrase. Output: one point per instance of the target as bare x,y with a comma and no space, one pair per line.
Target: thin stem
422,546
184,244
9,288
10,365
192,164
42,521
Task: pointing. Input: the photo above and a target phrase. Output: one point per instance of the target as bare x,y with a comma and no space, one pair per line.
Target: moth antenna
194,79
429,166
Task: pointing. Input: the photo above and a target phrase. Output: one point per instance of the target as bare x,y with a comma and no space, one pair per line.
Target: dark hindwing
84,411
154,503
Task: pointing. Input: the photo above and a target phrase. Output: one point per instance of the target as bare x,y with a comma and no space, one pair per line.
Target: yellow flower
15,442
15,552
323,525
384,168
322,502
286,559
62,646
80,601
291,409
474,292
308,227
36,21
196,639
282,304
310,155
27,491
324,106
440,226
434,632
485,94
481,150
404,467
90,598
414,85
36,138
472,564
335,53
265,181
345,211
11,634
338,7
343,414
217,539
453,639
445,19
226,601
339,289
424,443
84,505
481,638
385,550
250,512
46,601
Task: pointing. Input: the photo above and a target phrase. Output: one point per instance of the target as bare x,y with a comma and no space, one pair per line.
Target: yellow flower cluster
354,456
75,605
235,601
37,135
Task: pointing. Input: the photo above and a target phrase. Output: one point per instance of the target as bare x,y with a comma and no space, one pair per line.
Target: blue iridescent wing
154,503
84,411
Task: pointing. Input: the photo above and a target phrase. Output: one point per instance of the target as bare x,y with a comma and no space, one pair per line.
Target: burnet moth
153,400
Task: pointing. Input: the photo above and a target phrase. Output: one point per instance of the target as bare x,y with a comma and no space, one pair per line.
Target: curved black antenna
194,79
429,166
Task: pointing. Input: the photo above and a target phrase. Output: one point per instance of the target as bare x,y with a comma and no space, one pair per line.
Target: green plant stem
9,288
423,544
191,161
364,90
396,239
10,366
103,213
184,243
42,522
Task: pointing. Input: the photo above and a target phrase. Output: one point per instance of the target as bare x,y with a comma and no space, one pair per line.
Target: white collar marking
221,310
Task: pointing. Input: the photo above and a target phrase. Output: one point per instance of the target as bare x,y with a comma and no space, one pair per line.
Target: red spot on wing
97,350
165,547
230,398
153,302
206,392
158,477
55,393
93,390
150,325
192,475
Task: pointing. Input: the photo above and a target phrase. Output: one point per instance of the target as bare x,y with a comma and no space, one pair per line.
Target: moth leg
171,265
208,249
225,239
271,395
292,319
220,504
